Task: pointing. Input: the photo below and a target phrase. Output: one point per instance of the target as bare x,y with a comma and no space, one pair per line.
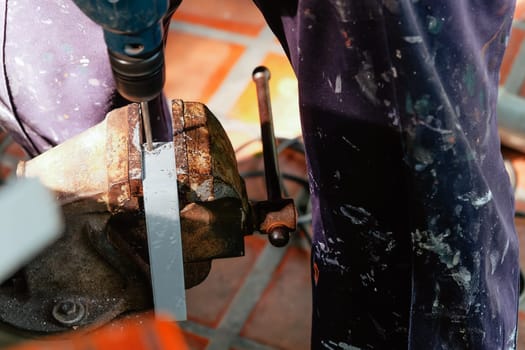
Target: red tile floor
262,300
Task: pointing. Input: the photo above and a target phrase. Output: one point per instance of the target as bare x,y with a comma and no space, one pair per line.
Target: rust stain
117,161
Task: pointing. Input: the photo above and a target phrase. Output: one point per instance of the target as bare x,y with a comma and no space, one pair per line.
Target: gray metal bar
161,204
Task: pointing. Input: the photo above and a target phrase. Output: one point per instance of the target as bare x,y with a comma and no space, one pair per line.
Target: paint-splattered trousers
414,242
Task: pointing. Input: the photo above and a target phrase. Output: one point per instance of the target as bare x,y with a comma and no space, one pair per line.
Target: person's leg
414,241
465,251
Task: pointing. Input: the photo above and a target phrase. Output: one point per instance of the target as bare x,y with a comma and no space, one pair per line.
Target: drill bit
146,122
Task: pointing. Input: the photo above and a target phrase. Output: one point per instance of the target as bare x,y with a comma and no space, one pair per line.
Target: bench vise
99,269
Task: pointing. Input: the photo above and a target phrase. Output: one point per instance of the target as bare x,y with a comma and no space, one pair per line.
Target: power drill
134,36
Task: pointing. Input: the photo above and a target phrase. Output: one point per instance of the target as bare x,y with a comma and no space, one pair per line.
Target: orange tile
522,89
519,13
208,301
239,16
5,171
195,342
16,151
521,331
13,149
515,42
196,66
518,163
520,229
282,317
135,333
284,95
521,315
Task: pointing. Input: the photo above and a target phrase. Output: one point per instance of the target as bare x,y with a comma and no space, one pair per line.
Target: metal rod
146,122
261,77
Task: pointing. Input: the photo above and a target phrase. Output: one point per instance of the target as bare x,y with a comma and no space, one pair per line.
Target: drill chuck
139,79
133,31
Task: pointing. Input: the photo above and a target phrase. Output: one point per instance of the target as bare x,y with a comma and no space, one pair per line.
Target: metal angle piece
161,204
27,229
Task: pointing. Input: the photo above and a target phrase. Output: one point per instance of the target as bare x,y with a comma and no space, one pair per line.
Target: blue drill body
133,31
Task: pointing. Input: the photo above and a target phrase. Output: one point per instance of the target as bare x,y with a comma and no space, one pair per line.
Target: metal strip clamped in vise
161,205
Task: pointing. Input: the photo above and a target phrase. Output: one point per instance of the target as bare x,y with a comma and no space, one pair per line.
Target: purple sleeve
57,80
